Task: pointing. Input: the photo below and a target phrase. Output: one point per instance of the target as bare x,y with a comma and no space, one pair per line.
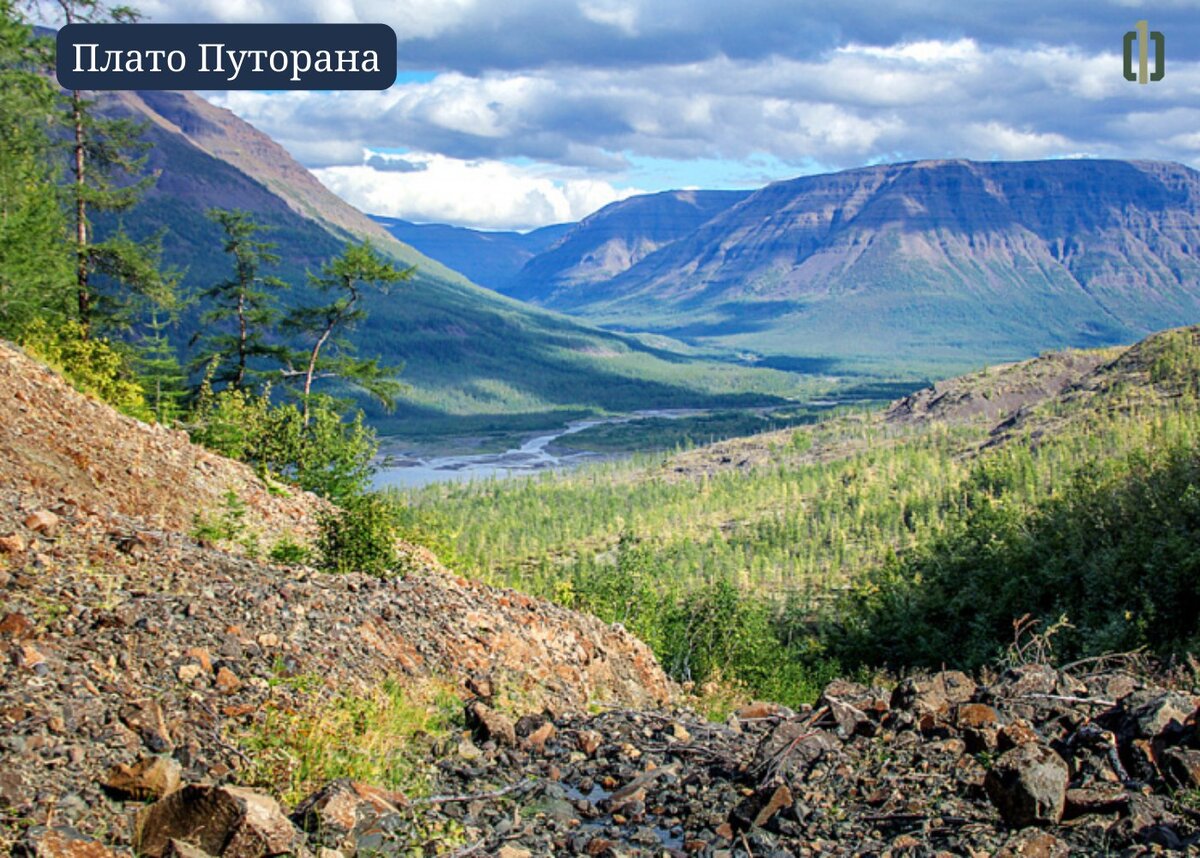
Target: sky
513,114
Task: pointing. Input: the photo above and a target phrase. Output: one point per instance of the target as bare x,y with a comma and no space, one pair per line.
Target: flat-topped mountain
943,261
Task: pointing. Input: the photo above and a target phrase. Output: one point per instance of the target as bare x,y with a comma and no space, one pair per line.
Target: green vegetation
378,737
649,434
248,299
360,536
857,541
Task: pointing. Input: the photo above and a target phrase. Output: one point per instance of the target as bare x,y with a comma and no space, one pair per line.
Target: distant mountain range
490,259
475,360
932,264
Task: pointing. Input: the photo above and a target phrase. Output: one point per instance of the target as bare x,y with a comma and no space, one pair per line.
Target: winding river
410,470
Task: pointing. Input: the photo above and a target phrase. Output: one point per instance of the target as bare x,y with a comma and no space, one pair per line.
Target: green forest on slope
863,541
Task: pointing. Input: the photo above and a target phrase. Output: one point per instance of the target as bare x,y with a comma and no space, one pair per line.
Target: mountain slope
159,644
490,259
466,350
951,262
612,240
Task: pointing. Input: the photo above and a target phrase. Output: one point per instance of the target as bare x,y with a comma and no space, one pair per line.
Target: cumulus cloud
477,35
482,194
857,103
597,89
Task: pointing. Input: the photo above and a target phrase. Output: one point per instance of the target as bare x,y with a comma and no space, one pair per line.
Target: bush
1117,552
94,366
329,455
360,536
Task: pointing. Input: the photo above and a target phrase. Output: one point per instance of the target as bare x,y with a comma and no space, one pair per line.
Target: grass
651,434
380,737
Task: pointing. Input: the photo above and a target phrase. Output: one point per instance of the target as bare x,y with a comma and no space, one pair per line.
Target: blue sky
517,113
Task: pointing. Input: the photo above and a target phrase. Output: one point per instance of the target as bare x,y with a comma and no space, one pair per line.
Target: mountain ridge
467,352
951,262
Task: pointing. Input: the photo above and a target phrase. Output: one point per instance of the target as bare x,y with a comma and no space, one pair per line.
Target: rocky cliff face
612,241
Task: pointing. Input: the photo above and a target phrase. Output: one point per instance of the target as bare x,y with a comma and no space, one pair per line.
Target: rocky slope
123,637
61,449
950,261
1035,396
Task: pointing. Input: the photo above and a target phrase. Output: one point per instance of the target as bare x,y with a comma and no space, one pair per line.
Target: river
408,470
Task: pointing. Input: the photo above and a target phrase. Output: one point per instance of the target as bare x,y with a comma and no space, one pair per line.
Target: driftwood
522,786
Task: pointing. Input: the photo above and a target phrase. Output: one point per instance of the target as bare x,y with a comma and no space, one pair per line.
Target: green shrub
94,366
289,552
1117,552
228,527
360,536
328,455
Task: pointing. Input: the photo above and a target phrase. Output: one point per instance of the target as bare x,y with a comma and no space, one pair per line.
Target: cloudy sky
519,113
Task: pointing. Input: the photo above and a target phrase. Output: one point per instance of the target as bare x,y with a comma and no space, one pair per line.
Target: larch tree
245,304
328,353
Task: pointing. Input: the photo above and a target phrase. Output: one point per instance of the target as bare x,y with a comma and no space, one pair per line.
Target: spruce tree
35,271
162,378
105,153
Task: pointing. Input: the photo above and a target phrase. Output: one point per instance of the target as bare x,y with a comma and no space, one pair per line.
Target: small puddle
598,825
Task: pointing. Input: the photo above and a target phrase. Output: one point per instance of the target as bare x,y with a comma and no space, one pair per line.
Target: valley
850,513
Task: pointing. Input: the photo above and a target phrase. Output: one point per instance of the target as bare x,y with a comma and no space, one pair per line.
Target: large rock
60,842
491,725
791,750
343,811
1028,785
148,779
228,822
933,695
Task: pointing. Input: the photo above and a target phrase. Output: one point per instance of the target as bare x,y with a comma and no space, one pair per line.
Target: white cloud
411,19
483,194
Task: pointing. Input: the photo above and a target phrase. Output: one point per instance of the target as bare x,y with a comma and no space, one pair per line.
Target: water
410,470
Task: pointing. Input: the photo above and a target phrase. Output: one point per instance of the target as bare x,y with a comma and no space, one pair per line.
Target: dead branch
1066,698
477,796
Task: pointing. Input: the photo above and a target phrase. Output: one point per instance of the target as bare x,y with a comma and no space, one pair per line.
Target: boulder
43,521
757,810
227,822
149,779
933,695
1028,785
1181,767
59,842
791,750
343,811
14,543
491,725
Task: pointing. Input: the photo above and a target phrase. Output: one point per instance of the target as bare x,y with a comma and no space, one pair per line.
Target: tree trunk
81,234
241,311
312,365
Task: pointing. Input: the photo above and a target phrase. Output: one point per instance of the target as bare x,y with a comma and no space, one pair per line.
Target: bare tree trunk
241,311
312,365
81,234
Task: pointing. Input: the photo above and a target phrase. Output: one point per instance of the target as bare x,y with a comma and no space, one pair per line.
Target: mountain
941,263
473,359
613,239
487,258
